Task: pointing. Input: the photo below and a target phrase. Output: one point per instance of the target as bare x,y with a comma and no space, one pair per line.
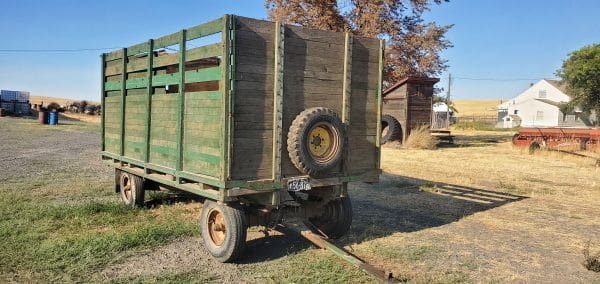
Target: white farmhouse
538,106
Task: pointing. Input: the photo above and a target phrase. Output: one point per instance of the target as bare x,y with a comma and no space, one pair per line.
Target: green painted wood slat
201,30
148,102
102,102
123,95
194,76
181,100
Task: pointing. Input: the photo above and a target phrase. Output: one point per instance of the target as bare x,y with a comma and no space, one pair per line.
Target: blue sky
501,40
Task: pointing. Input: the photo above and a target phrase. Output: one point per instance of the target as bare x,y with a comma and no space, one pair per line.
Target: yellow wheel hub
320,141
216,227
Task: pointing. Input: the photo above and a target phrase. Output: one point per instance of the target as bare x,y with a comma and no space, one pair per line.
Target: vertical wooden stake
226,86
102,99
123,99
148,124
346,94
278,100
181,103
379,102
347,86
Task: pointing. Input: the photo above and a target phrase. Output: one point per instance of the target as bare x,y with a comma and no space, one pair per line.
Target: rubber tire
298,136
336,224
236,226
514,138
137,191
394,129
534,146
583,144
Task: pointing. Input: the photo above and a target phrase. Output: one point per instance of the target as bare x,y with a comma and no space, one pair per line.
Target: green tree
581,72
413,45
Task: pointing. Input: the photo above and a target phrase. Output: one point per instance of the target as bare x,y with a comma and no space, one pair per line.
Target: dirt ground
477,211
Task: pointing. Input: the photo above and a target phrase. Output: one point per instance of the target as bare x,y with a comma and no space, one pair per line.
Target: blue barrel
53,118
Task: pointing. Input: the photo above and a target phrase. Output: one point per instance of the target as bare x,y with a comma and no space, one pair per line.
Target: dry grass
485,211
81,117
476,107
420,138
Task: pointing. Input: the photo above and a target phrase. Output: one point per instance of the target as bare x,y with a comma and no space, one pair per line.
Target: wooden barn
406,105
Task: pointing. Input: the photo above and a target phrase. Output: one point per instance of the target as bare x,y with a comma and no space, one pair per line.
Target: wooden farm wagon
264,120
406,105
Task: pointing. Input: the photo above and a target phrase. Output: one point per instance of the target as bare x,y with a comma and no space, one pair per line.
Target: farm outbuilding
406,105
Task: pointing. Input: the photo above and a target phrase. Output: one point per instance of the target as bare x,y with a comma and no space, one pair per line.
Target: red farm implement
561,139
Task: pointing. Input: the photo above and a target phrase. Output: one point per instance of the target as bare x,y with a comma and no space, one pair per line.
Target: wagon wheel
335,219
223,230
132,189
583,143
515,137
390,129
315,141
534,146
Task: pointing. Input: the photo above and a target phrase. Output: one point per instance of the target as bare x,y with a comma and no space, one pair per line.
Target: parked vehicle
269,121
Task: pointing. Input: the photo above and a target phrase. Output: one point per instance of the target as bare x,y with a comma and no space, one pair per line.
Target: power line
498,79
54,50
70,50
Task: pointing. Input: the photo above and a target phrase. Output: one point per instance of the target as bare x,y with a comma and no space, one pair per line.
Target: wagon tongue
322,242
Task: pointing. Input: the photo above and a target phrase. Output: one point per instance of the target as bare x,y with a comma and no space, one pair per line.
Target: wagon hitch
322,242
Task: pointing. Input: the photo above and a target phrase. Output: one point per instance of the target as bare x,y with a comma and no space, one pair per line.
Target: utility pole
448,101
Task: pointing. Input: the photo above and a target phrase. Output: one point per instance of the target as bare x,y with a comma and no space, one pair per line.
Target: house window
516,111
539,115
542,94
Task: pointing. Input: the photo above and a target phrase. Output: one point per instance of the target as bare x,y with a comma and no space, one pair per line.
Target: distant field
476,107
47,100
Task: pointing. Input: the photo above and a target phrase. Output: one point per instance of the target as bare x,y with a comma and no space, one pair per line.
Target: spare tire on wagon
315,141
390,129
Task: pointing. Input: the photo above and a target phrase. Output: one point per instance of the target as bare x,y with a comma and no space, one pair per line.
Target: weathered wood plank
278,100
208,28
162,60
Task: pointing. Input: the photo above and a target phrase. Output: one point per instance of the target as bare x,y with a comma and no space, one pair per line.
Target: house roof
550,102
560,85
515,117
410,79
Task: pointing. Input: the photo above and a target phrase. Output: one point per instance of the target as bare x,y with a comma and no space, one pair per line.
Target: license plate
298,184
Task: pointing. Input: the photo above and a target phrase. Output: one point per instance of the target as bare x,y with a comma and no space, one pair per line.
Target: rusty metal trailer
557,138
263,120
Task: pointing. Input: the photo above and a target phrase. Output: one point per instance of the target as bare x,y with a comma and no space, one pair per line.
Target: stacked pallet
16,102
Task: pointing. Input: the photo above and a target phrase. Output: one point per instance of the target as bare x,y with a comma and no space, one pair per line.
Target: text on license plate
298,184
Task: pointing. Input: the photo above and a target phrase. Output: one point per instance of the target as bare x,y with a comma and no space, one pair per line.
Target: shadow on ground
396,204
476,140
404,204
